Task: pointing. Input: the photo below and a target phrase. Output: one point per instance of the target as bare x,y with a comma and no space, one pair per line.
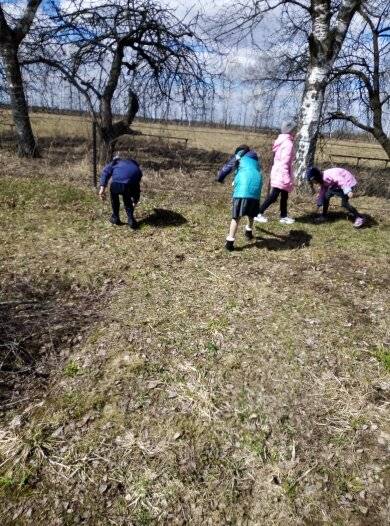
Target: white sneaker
261,219
287,220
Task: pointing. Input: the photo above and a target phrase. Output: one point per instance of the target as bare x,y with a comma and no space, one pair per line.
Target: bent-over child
334,182
246,189
125,175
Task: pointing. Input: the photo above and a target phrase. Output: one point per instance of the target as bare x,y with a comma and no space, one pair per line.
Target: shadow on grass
161,218
159,154
294,239
333,217
36,322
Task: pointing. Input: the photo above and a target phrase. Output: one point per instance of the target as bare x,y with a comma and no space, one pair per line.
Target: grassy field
150,377
47,126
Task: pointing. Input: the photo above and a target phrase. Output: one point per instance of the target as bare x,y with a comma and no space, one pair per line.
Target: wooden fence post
94,155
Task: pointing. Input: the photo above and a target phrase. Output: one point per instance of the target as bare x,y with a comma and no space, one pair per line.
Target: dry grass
187,385
47,126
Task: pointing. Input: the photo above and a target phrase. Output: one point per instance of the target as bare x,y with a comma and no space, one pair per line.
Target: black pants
337,192
273,196
126,191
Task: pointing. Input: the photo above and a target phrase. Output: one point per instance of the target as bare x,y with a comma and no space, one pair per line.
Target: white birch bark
325,43
310,115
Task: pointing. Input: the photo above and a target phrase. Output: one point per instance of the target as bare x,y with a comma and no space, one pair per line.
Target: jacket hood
282,138
252,154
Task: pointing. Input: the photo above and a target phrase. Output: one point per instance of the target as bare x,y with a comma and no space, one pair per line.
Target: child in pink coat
335,182
282,177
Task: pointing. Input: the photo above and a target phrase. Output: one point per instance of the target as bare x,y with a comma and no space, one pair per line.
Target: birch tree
325,41
324,23
13,31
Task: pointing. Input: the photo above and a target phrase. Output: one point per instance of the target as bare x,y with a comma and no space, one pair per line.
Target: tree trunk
27,146
105,147
107,133
110,131
324,45
383,140
310,115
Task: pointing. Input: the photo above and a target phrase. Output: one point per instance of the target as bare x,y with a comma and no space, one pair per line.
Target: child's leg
233,229
352,210
129,207
283,203
273,196
249,228
325,205
229,245
114,204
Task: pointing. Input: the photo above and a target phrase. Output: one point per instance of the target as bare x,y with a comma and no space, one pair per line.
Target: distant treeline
178,122
194,123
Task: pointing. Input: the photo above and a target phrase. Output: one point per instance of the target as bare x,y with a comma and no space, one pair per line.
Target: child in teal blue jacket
246,189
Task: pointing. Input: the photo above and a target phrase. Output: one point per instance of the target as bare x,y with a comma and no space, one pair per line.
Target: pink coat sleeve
281,173
286,159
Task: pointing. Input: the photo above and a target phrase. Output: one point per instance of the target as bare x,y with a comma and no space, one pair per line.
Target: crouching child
246,190
125,175
335,182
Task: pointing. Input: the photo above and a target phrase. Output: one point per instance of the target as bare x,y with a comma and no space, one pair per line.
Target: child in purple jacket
335,182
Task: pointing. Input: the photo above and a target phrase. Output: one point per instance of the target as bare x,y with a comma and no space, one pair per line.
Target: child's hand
102,193
350,195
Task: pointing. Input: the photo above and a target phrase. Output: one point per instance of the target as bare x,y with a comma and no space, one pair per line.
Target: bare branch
338,115
24,24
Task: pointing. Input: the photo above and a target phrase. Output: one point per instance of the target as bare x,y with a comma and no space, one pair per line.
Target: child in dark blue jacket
125,175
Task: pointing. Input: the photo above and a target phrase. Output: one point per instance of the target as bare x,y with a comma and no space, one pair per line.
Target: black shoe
248,234
320,219
229,245
133,224
115,221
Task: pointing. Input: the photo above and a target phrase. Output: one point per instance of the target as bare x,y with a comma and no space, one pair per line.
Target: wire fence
53,128
351,152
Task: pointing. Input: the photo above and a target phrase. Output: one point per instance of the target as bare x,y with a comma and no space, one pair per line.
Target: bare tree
364,66
325,24
12,33
133,45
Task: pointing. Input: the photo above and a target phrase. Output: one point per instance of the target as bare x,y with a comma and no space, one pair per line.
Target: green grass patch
383,356
78,402
7,482
17,193
72,369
